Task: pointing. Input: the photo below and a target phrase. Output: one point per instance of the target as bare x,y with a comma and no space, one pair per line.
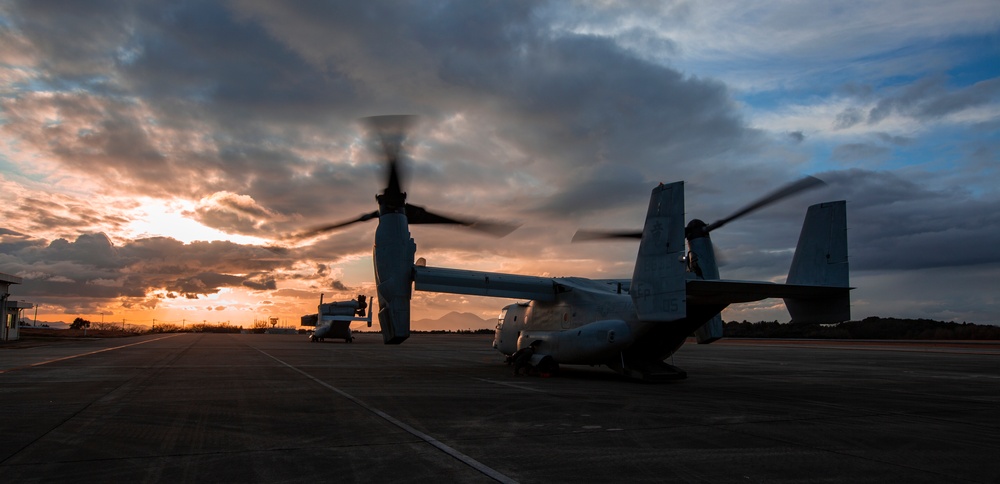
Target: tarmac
444,408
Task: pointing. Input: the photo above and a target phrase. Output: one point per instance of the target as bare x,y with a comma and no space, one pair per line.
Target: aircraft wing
476,283
625,284
731,292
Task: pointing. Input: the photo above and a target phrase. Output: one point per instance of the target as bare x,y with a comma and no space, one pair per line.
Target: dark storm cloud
853,152
907,99
926,98
595,189
848,118
573,102
13,241
339,286
239,91
263,284
897,223
74,41
979,94
59,213
895,140
91,266
183,98
590,101
206,54
204,283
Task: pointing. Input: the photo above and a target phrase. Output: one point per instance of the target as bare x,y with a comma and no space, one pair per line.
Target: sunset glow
159,218
159,161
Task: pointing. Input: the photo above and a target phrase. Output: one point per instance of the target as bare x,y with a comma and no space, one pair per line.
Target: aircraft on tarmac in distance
630,325
334,319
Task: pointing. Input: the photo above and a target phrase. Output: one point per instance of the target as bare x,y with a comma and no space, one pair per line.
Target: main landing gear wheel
547,367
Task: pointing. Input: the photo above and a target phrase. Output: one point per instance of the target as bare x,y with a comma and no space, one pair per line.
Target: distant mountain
454,321
27,323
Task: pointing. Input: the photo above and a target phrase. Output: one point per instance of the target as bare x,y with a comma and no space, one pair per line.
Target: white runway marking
514,385
64,358
488,471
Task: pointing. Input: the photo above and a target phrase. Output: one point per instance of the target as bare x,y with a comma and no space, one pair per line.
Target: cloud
900,223
853,152
244,115
232,213
92,267
927,98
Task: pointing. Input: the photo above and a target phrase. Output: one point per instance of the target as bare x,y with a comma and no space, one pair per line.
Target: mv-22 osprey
334,319
630,325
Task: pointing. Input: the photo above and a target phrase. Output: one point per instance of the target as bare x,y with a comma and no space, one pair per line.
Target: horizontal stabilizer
724,292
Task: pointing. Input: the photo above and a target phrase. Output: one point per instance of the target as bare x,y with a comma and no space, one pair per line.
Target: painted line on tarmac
479,466
512,385
64,358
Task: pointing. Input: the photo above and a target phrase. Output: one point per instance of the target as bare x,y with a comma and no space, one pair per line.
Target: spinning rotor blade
589,235
391,130
806,183
326,228
419,215
779,194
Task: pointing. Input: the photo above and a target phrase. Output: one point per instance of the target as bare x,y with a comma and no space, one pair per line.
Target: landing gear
547,367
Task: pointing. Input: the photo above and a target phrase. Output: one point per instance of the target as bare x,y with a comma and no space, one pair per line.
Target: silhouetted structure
868,328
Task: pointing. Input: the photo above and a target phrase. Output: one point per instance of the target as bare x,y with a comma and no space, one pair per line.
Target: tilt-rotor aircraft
334,319
630,325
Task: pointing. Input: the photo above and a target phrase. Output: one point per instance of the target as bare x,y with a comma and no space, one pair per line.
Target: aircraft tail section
658,282
821,260
711,331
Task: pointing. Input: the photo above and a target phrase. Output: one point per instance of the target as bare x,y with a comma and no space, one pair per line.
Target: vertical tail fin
821,260
658,282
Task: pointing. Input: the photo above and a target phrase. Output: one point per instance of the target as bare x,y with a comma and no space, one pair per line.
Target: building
10,311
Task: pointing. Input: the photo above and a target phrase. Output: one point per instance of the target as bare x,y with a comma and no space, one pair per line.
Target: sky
156,157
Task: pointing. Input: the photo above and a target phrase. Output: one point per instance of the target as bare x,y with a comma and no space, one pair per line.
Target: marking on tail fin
658,281
821,260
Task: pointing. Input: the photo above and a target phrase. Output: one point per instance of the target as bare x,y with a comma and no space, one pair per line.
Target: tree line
80,323
869,328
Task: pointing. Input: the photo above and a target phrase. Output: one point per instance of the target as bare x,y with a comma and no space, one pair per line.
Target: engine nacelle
591,344
393,256
509,326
